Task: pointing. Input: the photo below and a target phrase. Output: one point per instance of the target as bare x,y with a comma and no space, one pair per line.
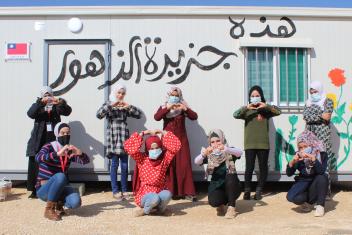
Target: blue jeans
158,200
124,172
57,189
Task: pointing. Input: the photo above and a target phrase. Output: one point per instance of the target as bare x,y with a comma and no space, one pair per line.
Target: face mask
308,150
217,152
315,97
154,153
256,100
64,140
174,99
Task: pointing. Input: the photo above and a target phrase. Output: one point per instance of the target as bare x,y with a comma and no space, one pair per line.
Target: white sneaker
306,207
231,212
319,211
118,196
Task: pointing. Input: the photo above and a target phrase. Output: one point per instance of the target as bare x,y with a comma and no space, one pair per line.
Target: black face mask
64,140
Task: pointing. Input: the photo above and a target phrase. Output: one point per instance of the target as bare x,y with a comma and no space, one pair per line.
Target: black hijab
260,91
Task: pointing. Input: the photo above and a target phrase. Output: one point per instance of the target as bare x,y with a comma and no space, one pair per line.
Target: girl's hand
74,151
63,151
170,106
221,147
208,151
251,106
261,105
182,107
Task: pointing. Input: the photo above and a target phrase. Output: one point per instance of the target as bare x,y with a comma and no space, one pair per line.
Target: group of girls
163,169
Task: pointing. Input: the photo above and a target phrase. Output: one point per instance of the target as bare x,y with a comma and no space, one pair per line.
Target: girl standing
116,111
46,112
256,138
174,112
317,114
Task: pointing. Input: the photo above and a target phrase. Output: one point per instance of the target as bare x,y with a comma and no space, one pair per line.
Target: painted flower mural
339,118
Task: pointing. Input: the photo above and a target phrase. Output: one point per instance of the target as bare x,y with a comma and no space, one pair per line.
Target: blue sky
283,3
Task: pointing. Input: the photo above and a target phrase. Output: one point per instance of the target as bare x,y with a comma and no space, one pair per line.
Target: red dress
151,177
179,177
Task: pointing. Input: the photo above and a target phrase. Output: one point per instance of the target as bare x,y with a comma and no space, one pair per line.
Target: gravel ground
100,214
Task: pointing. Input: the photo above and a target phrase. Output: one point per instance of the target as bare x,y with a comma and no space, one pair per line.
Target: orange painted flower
337,77
350,106
333,97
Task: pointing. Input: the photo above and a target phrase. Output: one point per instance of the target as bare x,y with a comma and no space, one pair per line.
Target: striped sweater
50,164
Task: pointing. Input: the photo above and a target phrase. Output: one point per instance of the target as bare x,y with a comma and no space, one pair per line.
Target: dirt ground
100,214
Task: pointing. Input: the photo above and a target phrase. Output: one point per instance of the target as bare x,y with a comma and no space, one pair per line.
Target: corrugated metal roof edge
175,10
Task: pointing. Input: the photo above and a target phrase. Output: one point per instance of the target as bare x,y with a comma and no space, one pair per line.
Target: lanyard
63,160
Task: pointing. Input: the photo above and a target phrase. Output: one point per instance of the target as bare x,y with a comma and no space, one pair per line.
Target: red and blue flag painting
17,51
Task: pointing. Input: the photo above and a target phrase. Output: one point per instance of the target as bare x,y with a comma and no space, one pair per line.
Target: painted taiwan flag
17,49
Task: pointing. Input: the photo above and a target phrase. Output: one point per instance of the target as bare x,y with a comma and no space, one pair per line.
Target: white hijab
114,90
44,90
317,85
56,145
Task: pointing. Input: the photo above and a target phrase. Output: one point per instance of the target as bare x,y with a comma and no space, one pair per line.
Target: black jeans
311,192
262,155
32,173
228,194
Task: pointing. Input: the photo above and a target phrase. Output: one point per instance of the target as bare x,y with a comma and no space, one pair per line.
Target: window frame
286,105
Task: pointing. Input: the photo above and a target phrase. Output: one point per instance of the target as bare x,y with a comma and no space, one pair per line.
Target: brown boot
60,209
50,211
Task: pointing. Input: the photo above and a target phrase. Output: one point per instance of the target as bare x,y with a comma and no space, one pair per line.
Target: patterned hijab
174,113
312,141
318,86
216,160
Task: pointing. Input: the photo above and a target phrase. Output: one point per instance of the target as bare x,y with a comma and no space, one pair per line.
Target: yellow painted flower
333,97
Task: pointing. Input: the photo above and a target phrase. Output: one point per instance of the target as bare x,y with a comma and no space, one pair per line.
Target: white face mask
256,99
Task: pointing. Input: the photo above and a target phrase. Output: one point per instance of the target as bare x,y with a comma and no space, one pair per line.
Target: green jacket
256,132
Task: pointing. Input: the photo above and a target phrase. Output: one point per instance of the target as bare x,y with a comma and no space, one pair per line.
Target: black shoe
247,196
33,196
258,196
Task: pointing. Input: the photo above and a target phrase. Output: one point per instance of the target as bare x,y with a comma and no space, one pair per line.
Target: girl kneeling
54,160
151,192
224,187
312,183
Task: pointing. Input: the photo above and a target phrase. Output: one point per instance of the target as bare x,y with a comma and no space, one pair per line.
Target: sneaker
319,211
128,196
247,196
306,207
231,213
191,198
138,212
118,196
32,196
221,210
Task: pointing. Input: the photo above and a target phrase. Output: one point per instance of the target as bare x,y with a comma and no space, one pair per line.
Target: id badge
49,127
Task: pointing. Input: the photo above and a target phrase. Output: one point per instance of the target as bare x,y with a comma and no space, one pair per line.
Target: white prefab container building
214,54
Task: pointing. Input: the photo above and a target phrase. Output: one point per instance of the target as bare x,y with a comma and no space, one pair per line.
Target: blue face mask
256,100
308,150
174,99
154,153
315,97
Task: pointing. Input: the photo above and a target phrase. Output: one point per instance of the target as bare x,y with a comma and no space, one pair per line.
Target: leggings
262,155
227,194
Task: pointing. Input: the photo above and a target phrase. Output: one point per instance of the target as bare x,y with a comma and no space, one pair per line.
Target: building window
281,72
